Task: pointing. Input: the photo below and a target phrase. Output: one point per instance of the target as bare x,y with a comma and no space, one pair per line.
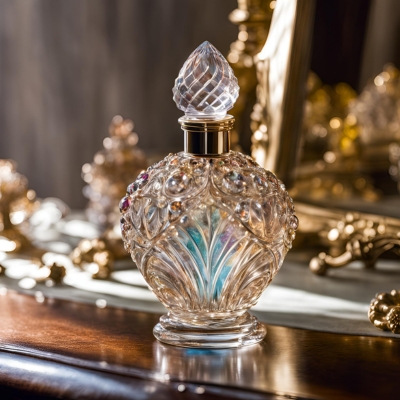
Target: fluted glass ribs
208,234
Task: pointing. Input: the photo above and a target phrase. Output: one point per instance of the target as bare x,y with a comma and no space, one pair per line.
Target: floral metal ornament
384,311
349,236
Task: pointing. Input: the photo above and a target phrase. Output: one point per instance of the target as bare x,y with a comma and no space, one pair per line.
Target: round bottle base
239,332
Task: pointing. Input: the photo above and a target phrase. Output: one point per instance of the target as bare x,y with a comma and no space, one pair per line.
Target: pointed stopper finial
206,87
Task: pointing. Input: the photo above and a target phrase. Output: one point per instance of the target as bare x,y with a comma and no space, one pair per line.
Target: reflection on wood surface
120,342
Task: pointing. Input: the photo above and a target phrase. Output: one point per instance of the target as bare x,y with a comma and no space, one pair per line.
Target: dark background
68,66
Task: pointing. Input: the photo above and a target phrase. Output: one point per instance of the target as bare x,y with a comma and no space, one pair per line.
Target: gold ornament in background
331,130
113,168
334,132
17,203
326,123
253,18
384,311
377,110
357,135
94,254
50,275
349,236
108,176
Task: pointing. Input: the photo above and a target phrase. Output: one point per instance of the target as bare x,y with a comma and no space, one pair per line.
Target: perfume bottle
208,227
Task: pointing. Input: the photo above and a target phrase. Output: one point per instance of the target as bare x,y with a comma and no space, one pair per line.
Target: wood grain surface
119,343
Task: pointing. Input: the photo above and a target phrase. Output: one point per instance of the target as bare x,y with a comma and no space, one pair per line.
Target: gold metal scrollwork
349,236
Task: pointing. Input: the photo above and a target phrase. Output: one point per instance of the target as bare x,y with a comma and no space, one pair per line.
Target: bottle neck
207,137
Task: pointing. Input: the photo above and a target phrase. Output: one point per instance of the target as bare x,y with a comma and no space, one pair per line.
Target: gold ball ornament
384,311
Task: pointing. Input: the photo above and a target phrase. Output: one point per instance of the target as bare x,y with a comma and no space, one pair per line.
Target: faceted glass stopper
206,87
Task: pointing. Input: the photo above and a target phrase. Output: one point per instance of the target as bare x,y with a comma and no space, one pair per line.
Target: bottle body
208,234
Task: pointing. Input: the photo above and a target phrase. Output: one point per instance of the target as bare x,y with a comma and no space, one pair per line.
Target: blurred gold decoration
332,131
17,202
377,110
349,236
356,135
394,157
336,138
113,168
102,261
253,18
346,136
50,274
384,311
94,254
326,125
353,133
2,270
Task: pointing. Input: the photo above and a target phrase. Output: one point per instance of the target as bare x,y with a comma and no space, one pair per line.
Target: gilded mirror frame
282,67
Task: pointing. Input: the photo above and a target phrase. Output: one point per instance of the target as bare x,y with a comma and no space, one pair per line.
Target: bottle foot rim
237,336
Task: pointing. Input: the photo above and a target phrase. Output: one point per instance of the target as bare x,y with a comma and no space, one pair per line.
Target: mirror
342,161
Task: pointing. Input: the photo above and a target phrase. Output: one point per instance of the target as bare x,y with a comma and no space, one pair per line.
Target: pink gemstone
144,177
124,204
131,188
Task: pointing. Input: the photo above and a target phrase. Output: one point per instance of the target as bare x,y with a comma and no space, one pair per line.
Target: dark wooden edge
27,377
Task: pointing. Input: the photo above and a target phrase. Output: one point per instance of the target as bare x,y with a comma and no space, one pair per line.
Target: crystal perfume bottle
208,227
